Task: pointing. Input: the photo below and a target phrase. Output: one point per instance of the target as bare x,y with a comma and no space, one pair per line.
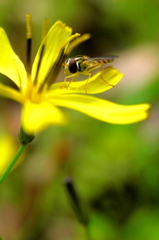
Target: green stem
75,200
11,164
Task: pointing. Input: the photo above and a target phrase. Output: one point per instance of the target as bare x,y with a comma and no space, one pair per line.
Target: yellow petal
11,93
36,117
77,41
100,82
103,110
10,65
53,43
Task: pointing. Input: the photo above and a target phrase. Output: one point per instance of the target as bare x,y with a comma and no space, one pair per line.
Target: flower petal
103,110
36,117
11,93
77,41
53,43
100,82
10,64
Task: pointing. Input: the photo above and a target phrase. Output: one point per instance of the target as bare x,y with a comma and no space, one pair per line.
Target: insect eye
72,66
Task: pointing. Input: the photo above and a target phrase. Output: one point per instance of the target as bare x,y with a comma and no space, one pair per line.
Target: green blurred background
115,168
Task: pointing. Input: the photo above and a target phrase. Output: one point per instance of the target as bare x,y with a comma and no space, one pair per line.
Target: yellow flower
41,97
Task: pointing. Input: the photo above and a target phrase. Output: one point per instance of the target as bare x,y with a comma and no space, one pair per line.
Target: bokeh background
115,168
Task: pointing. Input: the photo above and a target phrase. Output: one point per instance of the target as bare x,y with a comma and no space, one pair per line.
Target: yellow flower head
41,97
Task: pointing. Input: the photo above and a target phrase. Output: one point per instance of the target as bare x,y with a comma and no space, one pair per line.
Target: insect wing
102,58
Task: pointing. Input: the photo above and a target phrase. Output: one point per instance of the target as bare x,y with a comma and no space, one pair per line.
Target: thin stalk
29,41
76,204
72,191
12,163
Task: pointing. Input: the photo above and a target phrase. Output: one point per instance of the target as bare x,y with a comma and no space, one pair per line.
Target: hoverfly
84,65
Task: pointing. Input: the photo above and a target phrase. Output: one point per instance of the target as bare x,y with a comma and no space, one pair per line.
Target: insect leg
105,80
65,82
74,76
90,74
73,79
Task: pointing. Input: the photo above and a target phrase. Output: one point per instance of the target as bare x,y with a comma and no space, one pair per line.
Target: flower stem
76,204
11,164
75,200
